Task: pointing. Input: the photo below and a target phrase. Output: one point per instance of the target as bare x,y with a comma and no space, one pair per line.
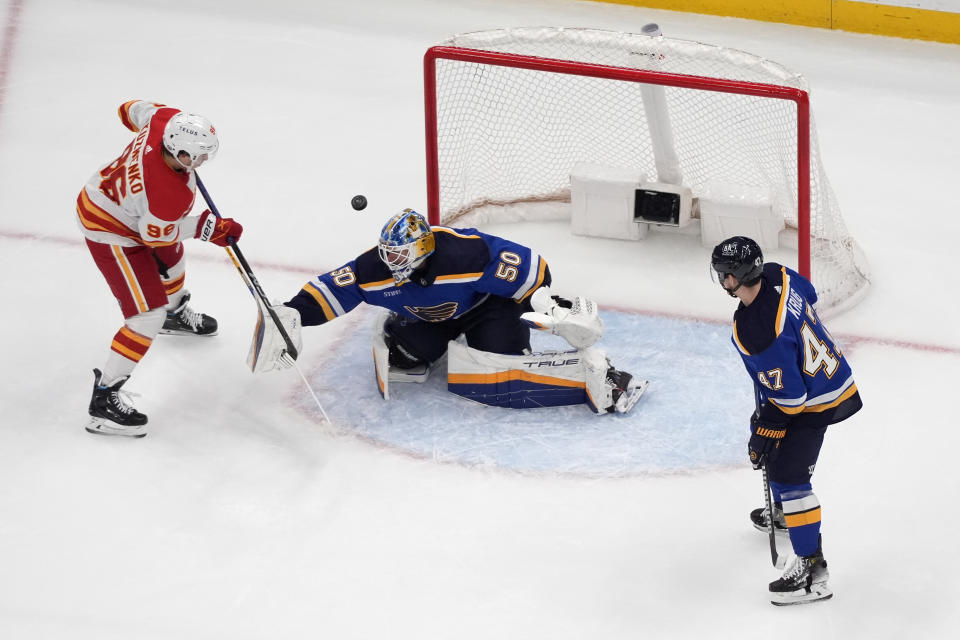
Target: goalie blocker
268,349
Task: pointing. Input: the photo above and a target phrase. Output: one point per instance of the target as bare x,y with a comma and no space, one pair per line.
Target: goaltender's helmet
193,135
405,243
739,257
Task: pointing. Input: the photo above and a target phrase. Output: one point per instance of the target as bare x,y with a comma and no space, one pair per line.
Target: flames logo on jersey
437,313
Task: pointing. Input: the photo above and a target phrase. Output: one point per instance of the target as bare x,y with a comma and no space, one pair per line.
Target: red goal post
519,85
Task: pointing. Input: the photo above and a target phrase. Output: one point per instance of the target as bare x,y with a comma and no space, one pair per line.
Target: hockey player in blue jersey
803,383
439,283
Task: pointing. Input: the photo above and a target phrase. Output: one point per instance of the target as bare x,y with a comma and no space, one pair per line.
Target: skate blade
817,593
780,533
624,406
103,427
177,332
418,374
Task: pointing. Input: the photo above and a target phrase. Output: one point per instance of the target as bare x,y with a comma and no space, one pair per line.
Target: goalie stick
236,256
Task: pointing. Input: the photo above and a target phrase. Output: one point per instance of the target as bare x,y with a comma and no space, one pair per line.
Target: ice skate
625,390
418,373
111,413
805,580
761,521
184,321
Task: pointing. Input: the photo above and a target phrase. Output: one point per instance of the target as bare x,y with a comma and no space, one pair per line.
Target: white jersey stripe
448,280
332,299
533,275
790,402
377,287
833,395
784,295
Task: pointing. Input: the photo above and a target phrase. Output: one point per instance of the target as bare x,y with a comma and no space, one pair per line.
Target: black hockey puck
359,203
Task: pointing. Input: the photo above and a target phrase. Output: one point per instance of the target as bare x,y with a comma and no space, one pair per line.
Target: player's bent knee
394,361
400,356
148,323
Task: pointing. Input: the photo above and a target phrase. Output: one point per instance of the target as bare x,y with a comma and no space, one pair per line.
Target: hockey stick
777,560
257,292
247,273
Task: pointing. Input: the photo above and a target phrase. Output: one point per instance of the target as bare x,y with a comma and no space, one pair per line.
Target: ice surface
691,418
242,516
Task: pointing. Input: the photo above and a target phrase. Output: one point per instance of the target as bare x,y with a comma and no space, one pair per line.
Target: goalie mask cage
510,112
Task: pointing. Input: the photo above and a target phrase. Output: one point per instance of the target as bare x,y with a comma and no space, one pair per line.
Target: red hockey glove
219,231
764,441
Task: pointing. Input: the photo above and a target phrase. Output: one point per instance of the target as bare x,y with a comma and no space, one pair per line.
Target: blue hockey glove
764,441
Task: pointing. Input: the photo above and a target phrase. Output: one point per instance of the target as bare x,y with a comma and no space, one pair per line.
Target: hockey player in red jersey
134,213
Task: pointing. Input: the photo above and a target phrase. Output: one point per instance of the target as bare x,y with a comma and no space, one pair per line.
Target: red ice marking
11,27
849,341
196,256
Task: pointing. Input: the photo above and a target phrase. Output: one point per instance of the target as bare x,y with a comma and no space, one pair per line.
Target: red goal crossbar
798,96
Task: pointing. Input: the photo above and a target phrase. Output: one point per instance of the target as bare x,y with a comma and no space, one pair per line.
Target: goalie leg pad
541,379
517,382
381,360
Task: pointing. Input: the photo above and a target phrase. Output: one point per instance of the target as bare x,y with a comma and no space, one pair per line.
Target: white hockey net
512,123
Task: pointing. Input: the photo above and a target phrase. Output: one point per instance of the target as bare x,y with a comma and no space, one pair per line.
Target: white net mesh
508,135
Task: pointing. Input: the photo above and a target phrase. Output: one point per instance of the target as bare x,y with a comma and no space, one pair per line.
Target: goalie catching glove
577,321
269,350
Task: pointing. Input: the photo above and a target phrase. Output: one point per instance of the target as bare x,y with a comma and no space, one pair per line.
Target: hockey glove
268,350
764,441
219,231
577,320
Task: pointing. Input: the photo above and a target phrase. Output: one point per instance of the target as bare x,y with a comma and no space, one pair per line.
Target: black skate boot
111,414
761,521
804,581
184,321
624,390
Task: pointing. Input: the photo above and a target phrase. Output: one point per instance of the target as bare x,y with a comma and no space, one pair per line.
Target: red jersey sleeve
135,114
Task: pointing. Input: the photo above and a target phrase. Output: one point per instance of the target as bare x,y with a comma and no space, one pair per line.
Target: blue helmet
405,243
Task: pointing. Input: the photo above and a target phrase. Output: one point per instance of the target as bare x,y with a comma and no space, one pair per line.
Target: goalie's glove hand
577,320
765,440
219,231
